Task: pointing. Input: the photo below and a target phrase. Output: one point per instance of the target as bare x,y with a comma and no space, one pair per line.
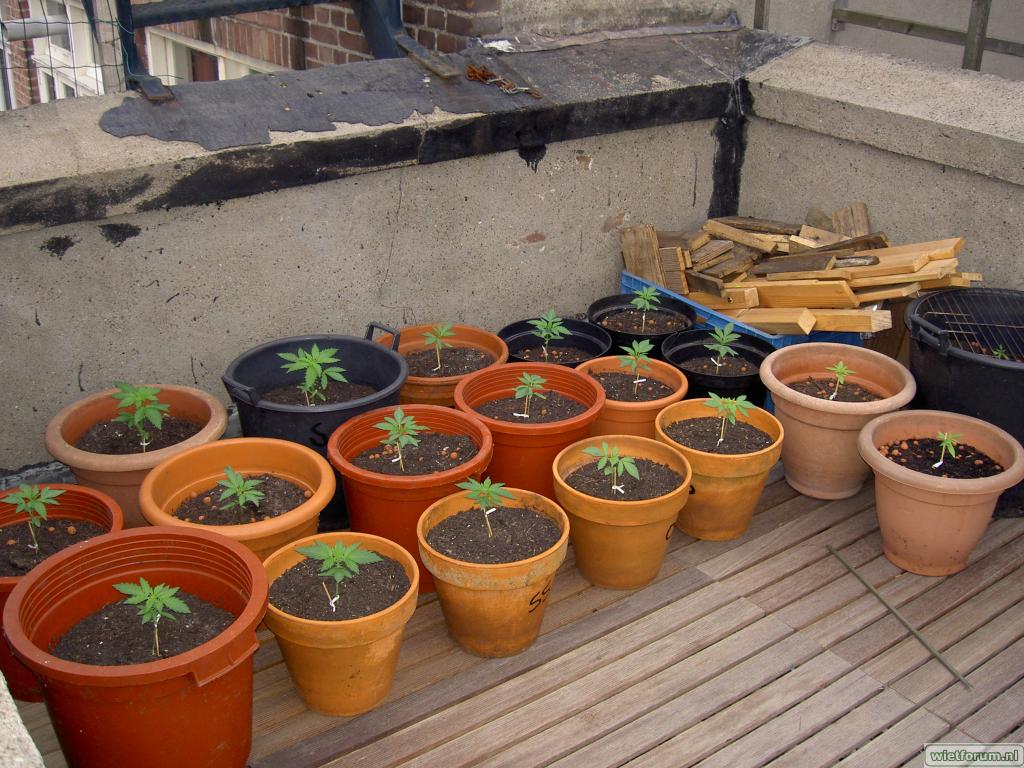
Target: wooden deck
759,651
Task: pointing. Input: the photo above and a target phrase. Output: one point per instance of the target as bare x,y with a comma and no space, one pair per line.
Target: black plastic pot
586,336
953,333
687,345
259,370
606,306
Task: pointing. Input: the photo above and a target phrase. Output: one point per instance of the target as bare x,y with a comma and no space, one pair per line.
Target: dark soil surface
655,480
336,392
455,361
436,452
519,533
657,321
118,438
560,355
919,455
16,559
300,590
115,634
702,435
731,366
554,407
823,389
279,496
619,386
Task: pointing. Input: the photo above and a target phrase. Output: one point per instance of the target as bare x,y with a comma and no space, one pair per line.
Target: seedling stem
549,327
436,336
948,442
635,359
722,339
33,501
645,299
728,408
487,496
841,372
609,460
338,561
401,432
529,388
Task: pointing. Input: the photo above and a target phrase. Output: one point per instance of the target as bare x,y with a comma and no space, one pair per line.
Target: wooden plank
640,253
954,736
796,293
688,240
852,320
862,243
710,250
672,266
735,298
894,265
898,743
820,237
713,261
852,221
731,266
818,218
934,270
955,280
933,249
800,263
769,226
702,283
989,680
762,243
873,295
794,321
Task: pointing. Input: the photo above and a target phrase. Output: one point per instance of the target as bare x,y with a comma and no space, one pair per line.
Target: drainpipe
16,30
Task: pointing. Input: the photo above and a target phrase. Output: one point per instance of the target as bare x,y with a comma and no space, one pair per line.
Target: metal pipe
977,29
16,30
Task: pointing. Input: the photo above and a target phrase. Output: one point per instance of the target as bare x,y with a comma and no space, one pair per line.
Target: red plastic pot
194,709
76,503
389,506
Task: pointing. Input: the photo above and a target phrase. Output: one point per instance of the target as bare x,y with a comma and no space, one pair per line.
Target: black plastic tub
585,336
601,308
687,345
955,334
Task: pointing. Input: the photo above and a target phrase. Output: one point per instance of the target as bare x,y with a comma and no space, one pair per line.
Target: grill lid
984,322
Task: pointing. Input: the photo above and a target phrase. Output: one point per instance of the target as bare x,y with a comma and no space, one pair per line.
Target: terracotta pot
120,715
391,505
121,476
76,503
523,452
622,417
930,524
725,487
343,667
620,544
493,610
195,470
440,390
820,454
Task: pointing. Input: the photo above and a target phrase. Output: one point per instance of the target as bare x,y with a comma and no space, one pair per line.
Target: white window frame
169,59
77,68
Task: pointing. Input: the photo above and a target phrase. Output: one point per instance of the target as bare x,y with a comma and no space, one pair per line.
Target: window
66,59
47,87
67,91
177,59
62,37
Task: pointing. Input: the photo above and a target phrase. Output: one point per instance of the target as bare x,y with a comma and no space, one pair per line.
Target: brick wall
23,72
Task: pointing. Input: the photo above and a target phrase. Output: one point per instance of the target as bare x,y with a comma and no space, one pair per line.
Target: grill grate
979,320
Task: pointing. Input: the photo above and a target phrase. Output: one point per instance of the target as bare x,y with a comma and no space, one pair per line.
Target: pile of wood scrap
827,274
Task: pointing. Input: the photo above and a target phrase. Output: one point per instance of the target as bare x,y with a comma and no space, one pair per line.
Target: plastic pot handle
209,668
241,392
938,340
395,335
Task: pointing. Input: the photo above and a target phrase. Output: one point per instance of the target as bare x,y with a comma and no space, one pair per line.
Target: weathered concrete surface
485,240
17,750
571,17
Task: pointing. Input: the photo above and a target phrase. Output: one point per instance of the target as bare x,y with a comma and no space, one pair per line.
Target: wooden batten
795,321
934,270
763,226
891,265
804,293
852,221
688,240
819,237
852,320
735,298
872,295
710,250
762,243
798,263
672,266
640,253
933,250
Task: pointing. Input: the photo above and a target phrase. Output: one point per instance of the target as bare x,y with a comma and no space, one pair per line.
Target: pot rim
441,381
663,417
679,384
619,301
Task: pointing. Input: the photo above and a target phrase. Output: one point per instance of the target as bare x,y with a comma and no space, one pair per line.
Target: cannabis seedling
154,604
138,405
841,372
33,501
339,562
401,432
613,464
239,491
947,440
728,408
487,496
316,368
999,353
436,337
722,339
636,359
549,327
644,300
529,388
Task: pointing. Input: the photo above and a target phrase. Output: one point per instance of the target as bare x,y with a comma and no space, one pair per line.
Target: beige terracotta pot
623,417
820,453
121,476
930,524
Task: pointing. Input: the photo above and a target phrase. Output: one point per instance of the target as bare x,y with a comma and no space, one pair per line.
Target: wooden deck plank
951,737
999,717
987,681
898,743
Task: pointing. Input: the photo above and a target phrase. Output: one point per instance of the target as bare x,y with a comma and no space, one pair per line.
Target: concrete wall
569,17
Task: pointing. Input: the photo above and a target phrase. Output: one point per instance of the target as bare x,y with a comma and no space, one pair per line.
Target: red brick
488,25
450,43
340,56
309,12
352,23
353,42
338,18
354,57
413,14
460,25
435,19
427,39
323,34
323,14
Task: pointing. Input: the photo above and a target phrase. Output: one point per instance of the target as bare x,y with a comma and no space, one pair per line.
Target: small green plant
317,370
644,299
239,491
436,337
138,405
841,372
613,464
549,327
529,388
339,562
728,408
487,496
33,501
1000,353
401,432
947,441
636,359
154,603
721,343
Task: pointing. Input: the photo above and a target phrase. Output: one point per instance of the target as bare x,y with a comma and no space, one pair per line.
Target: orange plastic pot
76,503
429,390
620,544
195,470
820,455
343,667
523,452
391,505
622,417
493,610
121,476
931,524
193,709
725,488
